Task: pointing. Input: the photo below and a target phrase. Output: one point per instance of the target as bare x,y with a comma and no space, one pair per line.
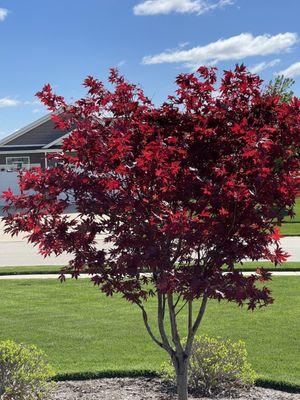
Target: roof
40,135
26,129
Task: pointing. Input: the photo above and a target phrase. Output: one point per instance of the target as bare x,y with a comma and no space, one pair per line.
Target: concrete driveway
17,252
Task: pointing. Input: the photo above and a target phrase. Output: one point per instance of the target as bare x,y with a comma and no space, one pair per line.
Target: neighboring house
27,148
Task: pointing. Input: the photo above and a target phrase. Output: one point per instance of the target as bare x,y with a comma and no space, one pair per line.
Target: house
27,148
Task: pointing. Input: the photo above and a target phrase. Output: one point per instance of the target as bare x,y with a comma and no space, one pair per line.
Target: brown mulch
144,389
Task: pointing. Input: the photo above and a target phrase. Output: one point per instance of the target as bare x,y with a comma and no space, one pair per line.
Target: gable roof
57,141
24,130
39,135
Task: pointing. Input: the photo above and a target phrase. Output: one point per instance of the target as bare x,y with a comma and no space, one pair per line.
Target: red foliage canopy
179,190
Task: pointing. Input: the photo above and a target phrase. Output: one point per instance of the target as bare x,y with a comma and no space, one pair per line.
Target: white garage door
8,180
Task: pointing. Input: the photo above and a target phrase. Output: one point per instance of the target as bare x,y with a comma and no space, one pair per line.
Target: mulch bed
144,389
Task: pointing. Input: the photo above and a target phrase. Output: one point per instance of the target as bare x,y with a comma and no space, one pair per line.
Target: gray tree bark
181,369
179,353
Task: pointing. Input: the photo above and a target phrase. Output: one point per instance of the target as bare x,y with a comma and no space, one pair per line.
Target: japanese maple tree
180,191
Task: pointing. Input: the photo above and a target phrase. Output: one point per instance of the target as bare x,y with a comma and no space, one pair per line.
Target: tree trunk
179,354
181,369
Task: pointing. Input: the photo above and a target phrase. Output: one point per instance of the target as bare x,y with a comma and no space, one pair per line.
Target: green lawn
36,269
291,227
81,330
251,266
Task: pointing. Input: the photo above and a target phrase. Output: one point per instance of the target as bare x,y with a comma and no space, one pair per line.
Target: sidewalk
85,276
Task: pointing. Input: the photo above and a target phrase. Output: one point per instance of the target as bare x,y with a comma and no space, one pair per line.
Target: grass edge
78,376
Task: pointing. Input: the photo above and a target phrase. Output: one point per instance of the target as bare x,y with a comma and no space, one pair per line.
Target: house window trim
12,162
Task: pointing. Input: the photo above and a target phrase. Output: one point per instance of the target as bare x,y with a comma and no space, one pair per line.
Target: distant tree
282,87
180,190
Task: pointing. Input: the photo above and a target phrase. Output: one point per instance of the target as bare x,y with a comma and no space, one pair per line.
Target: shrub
24,372
216,366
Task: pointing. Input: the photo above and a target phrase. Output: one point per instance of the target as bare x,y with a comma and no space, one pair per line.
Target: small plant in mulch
216,367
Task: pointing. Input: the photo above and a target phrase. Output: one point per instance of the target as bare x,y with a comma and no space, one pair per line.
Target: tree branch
173,322
190,316
177,253
145,319
181,308
193,329
200,315
177,301
160,321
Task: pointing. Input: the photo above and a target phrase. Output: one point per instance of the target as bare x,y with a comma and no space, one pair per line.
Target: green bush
216,366
24,372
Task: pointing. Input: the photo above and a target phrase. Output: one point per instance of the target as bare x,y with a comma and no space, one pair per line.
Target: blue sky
62,41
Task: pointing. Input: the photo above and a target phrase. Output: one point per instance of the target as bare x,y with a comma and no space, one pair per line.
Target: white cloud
255,69
154,7
8,102
292,71
32,102
121,63
11,102
3,13
234,48
182,45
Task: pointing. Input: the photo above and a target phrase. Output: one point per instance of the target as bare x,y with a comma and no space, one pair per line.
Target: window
17,163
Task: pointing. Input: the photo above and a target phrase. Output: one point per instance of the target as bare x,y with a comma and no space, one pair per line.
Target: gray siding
35,158
8,180
43,134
